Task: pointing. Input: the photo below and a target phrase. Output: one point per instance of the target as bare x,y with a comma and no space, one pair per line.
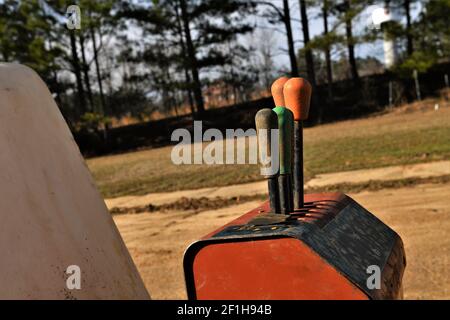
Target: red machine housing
320,252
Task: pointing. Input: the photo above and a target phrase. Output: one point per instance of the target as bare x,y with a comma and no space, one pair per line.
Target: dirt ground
420,214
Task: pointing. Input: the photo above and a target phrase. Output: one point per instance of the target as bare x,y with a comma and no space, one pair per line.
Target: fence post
416,81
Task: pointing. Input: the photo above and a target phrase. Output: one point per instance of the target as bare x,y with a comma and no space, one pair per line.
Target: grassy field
409,134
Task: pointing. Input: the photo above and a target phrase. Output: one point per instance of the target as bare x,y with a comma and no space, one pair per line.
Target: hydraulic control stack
324,246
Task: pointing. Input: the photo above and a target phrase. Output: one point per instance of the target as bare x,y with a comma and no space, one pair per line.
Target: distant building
381,17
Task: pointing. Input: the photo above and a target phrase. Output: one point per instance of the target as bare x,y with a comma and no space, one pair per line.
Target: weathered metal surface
274,194
391,285
270,219
52,215
284,191
266,268
297,167
352,241
344,234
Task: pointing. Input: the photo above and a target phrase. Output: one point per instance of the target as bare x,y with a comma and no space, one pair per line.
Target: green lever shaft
286,127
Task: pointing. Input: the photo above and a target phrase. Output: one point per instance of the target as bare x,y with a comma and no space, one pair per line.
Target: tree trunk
192,59
87,81
308,53
97,71
77,70
409,38
187,76
171,93
327,52
189,92
57,89
290,39
350,44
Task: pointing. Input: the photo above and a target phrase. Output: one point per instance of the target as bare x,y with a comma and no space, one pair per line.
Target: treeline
130,59
157,133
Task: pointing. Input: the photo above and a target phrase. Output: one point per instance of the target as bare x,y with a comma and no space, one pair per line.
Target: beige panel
51,214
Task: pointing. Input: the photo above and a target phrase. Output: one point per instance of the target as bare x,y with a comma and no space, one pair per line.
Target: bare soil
420,214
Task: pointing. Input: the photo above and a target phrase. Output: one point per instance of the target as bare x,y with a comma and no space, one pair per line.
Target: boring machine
296,245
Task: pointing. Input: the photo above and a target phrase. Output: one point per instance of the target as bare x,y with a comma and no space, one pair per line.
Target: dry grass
420,214
393,138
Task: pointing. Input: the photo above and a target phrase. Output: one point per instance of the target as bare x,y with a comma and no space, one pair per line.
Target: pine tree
276,16
308,52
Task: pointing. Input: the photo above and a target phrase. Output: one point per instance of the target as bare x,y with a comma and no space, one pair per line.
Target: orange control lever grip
277,91
297,97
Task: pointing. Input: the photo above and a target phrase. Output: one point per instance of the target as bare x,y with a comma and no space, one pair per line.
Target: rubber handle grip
265,120
277,91
297,97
